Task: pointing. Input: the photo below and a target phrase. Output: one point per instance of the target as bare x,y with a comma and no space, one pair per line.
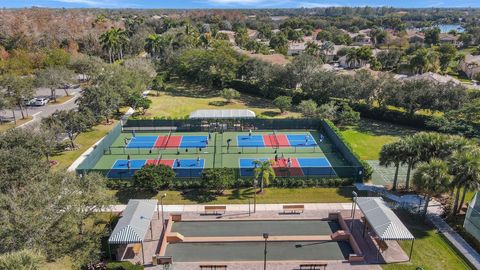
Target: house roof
134,223
434,77
472,59
383,221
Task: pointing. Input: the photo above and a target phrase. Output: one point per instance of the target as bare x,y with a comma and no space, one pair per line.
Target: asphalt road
44,111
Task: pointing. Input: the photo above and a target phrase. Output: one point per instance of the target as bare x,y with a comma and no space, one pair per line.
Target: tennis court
124,168
310,153
295,166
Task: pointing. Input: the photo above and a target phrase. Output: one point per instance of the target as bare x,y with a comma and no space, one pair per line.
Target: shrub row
123,266
368,170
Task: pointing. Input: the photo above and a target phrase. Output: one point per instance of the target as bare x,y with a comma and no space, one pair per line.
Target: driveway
44,111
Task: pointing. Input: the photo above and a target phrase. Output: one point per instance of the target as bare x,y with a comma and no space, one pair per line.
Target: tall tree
55,78
17,90
263,171
465,168
114,41
71,123
393,154
431,178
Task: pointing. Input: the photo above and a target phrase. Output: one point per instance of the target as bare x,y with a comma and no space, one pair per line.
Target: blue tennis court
301,140
297,167
250,141
247,165
142,142
188,167
183,168
194,141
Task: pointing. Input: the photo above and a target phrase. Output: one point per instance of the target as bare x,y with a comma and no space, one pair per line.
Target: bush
218,179
153,177
311,182
123,266
283,103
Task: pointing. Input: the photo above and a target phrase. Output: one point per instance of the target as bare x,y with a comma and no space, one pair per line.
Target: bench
293,208
162,260
313,266
213,266
215,209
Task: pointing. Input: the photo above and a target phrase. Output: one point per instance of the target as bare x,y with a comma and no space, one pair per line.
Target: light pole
161,203
265,236
254,195
354,208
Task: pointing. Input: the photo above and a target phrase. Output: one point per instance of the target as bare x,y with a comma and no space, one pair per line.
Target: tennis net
276,139
159,158
168,138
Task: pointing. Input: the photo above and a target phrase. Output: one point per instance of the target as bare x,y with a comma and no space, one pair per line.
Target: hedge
368,170
123,266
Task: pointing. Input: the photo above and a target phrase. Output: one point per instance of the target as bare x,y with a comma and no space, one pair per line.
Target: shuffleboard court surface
253,228
253,251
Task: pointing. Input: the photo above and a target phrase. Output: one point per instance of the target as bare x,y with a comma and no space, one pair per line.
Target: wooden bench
215,209
313,266
213,266
293,208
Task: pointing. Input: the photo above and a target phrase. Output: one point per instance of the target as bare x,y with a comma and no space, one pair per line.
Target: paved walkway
434,212
195,208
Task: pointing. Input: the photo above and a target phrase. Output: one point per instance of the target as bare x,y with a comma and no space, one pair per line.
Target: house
471,66
415,37
230,34
434,77
252,34
449,39
360,39
296,48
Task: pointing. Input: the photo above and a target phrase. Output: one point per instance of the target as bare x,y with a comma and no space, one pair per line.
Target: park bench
215,209
293,208
213,266
313,266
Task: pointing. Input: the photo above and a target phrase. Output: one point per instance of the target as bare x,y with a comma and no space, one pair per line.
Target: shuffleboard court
253,251
252,228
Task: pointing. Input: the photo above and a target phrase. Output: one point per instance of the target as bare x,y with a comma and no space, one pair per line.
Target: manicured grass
182,99
368,137
431,251
6,126
83,142
61,99
241,196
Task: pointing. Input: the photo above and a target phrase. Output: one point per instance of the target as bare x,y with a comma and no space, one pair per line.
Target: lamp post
265,236
255,182
161,203
354,208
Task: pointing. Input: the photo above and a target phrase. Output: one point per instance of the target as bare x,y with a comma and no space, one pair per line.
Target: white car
30,102
41,101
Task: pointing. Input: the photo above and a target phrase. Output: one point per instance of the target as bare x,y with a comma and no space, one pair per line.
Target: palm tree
327,47
113,40
312,48
352,57
152,44
431,178
206,40
465,168
412,155
393,154
264,170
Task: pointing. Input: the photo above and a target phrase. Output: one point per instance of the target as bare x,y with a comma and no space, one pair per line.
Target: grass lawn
430,251
368,137
83,142
241,196
181,100
6,126
61,99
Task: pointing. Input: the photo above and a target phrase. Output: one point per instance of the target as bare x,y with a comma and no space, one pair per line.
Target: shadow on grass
190,90
271,113
124,195
380,128
218,103
198,196
241,194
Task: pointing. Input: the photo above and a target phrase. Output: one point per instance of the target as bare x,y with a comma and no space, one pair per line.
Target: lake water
445,28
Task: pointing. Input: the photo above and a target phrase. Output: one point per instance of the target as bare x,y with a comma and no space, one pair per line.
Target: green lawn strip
369,136
6,126
241,196
431,251
83,142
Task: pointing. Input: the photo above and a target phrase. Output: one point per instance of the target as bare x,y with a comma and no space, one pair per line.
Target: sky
189,4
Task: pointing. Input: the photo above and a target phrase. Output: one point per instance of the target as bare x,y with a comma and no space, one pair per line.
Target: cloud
316,5
85,2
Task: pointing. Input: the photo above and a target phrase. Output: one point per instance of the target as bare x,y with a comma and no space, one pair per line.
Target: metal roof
134,223
384,222
222,114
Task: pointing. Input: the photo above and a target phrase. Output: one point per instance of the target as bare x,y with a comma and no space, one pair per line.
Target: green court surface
253,251
251,228
224,150
384,175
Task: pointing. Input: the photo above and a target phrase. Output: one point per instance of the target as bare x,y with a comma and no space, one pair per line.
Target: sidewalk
242,207
434,213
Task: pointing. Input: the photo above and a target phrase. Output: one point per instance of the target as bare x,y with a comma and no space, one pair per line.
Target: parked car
41,101
30,102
